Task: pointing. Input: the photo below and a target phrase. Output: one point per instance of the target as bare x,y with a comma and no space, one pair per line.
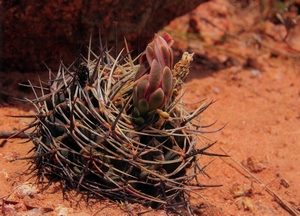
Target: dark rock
47,31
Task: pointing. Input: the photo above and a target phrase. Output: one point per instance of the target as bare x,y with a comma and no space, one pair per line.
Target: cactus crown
154,83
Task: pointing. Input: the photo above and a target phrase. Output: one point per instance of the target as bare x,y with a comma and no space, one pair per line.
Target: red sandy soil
255,80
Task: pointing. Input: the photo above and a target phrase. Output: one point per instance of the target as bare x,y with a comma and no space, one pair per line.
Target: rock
255,73
245,203
216,90
26,190
8,210
284,183
253,165
46,31
206,209
4,173
61,211
238,190
34,212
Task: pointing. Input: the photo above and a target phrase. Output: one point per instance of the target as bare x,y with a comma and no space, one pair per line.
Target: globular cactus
87,133
154,83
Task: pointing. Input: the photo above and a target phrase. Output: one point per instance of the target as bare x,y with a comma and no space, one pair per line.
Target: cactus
87,130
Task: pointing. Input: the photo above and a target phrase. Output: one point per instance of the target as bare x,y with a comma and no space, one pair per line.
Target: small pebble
8,209
255,73
284,183
216,90
34,212
26,190
61,211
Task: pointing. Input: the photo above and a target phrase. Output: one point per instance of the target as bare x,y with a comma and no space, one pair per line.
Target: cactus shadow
204,66
13,93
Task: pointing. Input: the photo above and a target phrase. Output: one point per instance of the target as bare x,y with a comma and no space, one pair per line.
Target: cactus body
87,131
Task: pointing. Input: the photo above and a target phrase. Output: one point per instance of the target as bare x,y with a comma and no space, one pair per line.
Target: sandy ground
255,82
